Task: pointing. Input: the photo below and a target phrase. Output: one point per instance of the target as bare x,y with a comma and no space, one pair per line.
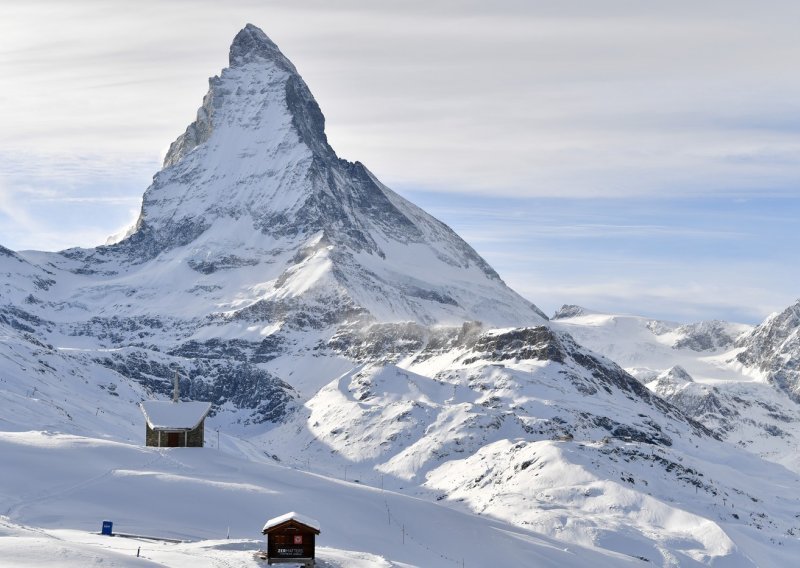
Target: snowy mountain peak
252,43
253,186
675,376
261,93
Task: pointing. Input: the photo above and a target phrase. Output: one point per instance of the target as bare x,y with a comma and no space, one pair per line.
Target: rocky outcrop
711,335
774,349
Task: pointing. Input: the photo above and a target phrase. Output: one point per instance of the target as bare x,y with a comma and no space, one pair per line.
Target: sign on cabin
291,538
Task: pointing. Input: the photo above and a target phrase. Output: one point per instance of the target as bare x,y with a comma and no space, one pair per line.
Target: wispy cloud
57,201
692,302
618,133
91,199
530,232
519,98
14,213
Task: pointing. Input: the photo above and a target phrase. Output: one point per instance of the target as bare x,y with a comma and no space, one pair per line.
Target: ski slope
56,489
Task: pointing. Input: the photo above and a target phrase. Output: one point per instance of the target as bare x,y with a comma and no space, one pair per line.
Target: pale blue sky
630,156
685,259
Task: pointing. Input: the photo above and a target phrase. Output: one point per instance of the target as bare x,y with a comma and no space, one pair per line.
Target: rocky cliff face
707,336
774,349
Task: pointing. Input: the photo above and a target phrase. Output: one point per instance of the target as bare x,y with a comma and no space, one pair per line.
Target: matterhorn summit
253,184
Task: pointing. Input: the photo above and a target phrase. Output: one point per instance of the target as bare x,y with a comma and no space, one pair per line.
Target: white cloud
16,218
57,201
692,301
522,98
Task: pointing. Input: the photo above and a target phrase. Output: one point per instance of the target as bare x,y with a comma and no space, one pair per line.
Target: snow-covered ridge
733,378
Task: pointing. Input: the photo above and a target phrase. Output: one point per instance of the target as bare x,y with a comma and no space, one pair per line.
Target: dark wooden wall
280,544
195,438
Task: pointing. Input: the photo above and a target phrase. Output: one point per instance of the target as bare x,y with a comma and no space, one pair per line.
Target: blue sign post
107,528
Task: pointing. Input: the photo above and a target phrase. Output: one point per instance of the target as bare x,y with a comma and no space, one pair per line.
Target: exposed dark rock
704,336
221,263
648,433
381,341
568,311
19,319
233,349
121,331
43,283
774,348
219,381
296,314
8,252
537,343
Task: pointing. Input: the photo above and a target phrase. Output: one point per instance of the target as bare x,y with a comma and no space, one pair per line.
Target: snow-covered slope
731,377
634,341
48,514
525,425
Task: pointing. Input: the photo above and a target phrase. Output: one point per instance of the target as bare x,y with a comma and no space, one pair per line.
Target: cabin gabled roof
307,522
167,415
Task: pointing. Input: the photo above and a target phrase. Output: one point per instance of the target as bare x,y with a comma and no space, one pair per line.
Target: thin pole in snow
138,550
404,534
176,392
229,533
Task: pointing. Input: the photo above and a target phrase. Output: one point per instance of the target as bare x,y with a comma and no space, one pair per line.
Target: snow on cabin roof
302,519
167,415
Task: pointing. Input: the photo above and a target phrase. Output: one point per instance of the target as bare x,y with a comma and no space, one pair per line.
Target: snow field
58,488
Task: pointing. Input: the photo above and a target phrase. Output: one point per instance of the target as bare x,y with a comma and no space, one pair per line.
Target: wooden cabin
175,424
291,539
